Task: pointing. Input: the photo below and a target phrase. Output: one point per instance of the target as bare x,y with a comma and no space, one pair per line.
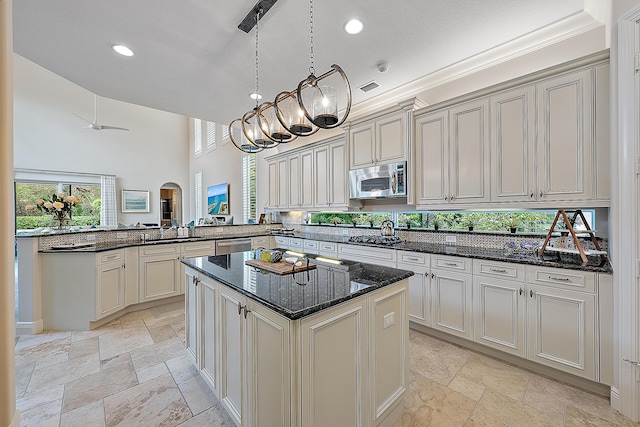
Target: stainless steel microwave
380,181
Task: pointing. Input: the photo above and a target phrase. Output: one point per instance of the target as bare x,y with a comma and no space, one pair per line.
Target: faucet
162,230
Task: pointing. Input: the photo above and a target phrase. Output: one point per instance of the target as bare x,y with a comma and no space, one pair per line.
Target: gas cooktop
376,240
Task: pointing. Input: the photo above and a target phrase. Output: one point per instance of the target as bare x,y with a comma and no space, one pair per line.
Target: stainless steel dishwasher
229,246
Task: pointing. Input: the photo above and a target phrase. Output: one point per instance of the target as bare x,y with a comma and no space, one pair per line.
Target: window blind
197,136
211,136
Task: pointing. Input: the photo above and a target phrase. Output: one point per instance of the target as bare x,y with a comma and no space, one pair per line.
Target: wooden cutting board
281,267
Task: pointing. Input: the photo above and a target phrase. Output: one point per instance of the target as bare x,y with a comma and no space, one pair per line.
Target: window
249,188
225,134
197,188
197,136
211,136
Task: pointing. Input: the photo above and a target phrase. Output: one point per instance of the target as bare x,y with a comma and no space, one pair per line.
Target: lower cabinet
110,286
159,271
419,307
451,295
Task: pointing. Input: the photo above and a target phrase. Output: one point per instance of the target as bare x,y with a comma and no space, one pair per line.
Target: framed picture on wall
218,199
135,201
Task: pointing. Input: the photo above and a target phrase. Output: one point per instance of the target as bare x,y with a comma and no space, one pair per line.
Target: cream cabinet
329,249
300,180
283,183
262,242
200,314
564,109
499,306
272,171
159,271
378,256
330,175
419,283
379,141
452,155
513,151
255,368
278,176
110,283
451,295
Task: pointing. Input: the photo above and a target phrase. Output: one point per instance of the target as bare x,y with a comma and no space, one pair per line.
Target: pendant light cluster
313,105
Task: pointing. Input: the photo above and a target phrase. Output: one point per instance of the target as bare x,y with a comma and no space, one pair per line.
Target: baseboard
616,402
29,328
136,307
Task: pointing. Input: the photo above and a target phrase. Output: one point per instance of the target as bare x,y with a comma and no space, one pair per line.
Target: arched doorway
170,204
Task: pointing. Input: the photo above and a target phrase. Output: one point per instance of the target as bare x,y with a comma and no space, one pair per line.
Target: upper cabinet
452,155
379,141
382,139
545,142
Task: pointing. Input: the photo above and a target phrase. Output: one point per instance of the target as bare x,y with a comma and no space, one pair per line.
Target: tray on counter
281,267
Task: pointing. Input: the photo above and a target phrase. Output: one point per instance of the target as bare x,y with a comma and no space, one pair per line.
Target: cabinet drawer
560,278
367,254
261,241
198,248
282,242
295,243
159,249
328,246
483,267
311,244
110,256
451,263
416,258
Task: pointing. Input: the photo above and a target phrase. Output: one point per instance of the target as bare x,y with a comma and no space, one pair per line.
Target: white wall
48,136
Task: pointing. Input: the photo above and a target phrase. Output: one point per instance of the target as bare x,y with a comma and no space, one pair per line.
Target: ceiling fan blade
113,127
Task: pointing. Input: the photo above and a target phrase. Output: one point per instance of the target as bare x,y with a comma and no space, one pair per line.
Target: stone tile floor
134,371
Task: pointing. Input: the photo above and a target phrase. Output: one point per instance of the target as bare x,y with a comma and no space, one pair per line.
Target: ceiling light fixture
122,50
289,115
354,26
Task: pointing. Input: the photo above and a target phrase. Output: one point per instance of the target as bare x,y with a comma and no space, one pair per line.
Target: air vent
369,86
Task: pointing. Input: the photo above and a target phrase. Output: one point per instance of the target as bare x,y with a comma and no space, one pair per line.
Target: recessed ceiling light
122,50
353,27
255,96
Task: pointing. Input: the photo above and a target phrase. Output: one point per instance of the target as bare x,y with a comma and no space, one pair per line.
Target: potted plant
470,221
512,223
335,220
436,224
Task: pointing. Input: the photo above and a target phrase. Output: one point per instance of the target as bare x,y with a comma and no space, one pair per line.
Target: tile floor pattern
134,371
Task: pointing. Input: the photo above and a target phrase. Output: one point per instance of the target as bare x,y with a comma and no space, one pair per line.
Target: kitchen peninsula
325,346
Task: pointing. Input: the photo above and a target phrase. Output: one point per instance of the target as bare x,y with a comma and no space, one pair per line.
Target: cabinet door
208,293
564,137
131,281
513,145
339,196
306,179
191,314
334,383
562,328
602,174
362,145
321,181
293,181
232,352
499,314
269,367
432,158
159,277
418,294
451,303
391,139
273,184
469,152
109,289
283,183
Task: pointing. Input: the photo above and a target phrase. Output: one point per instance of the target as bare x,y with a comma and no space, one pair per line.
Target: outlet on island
450,239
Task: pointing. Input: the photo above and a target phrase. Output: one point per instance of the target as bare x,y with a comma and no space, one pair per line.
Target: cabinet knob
531,293
451,198
446,198
433,276
521,291
541,194
239,308
531,195
246,310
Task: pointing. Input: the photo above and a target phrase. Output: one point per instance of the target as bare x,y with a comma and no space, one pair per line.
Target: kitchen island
325,346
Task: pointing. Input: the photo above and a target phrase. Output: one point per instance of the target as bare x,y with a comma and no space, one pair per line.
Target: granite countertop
301,294
521,257
109,246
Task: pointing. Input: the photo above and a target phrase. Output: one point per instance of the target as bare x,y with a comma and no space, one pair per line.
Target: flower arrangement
59,206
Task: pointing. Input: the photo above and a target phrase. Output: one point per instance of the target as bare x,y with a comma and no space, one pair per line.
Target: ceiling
191,59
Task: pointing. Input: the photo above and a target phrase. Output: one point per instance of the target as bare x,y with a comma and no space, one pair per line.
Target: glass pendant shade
324,109
291,116
237,136
272,126
256,129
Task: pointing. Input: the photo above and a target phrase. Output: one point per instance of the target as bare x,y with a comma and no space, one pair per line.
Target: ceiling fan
94,124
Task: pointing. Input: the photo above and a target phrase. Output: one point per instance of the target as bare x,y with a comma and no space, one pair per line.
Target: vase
60,222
